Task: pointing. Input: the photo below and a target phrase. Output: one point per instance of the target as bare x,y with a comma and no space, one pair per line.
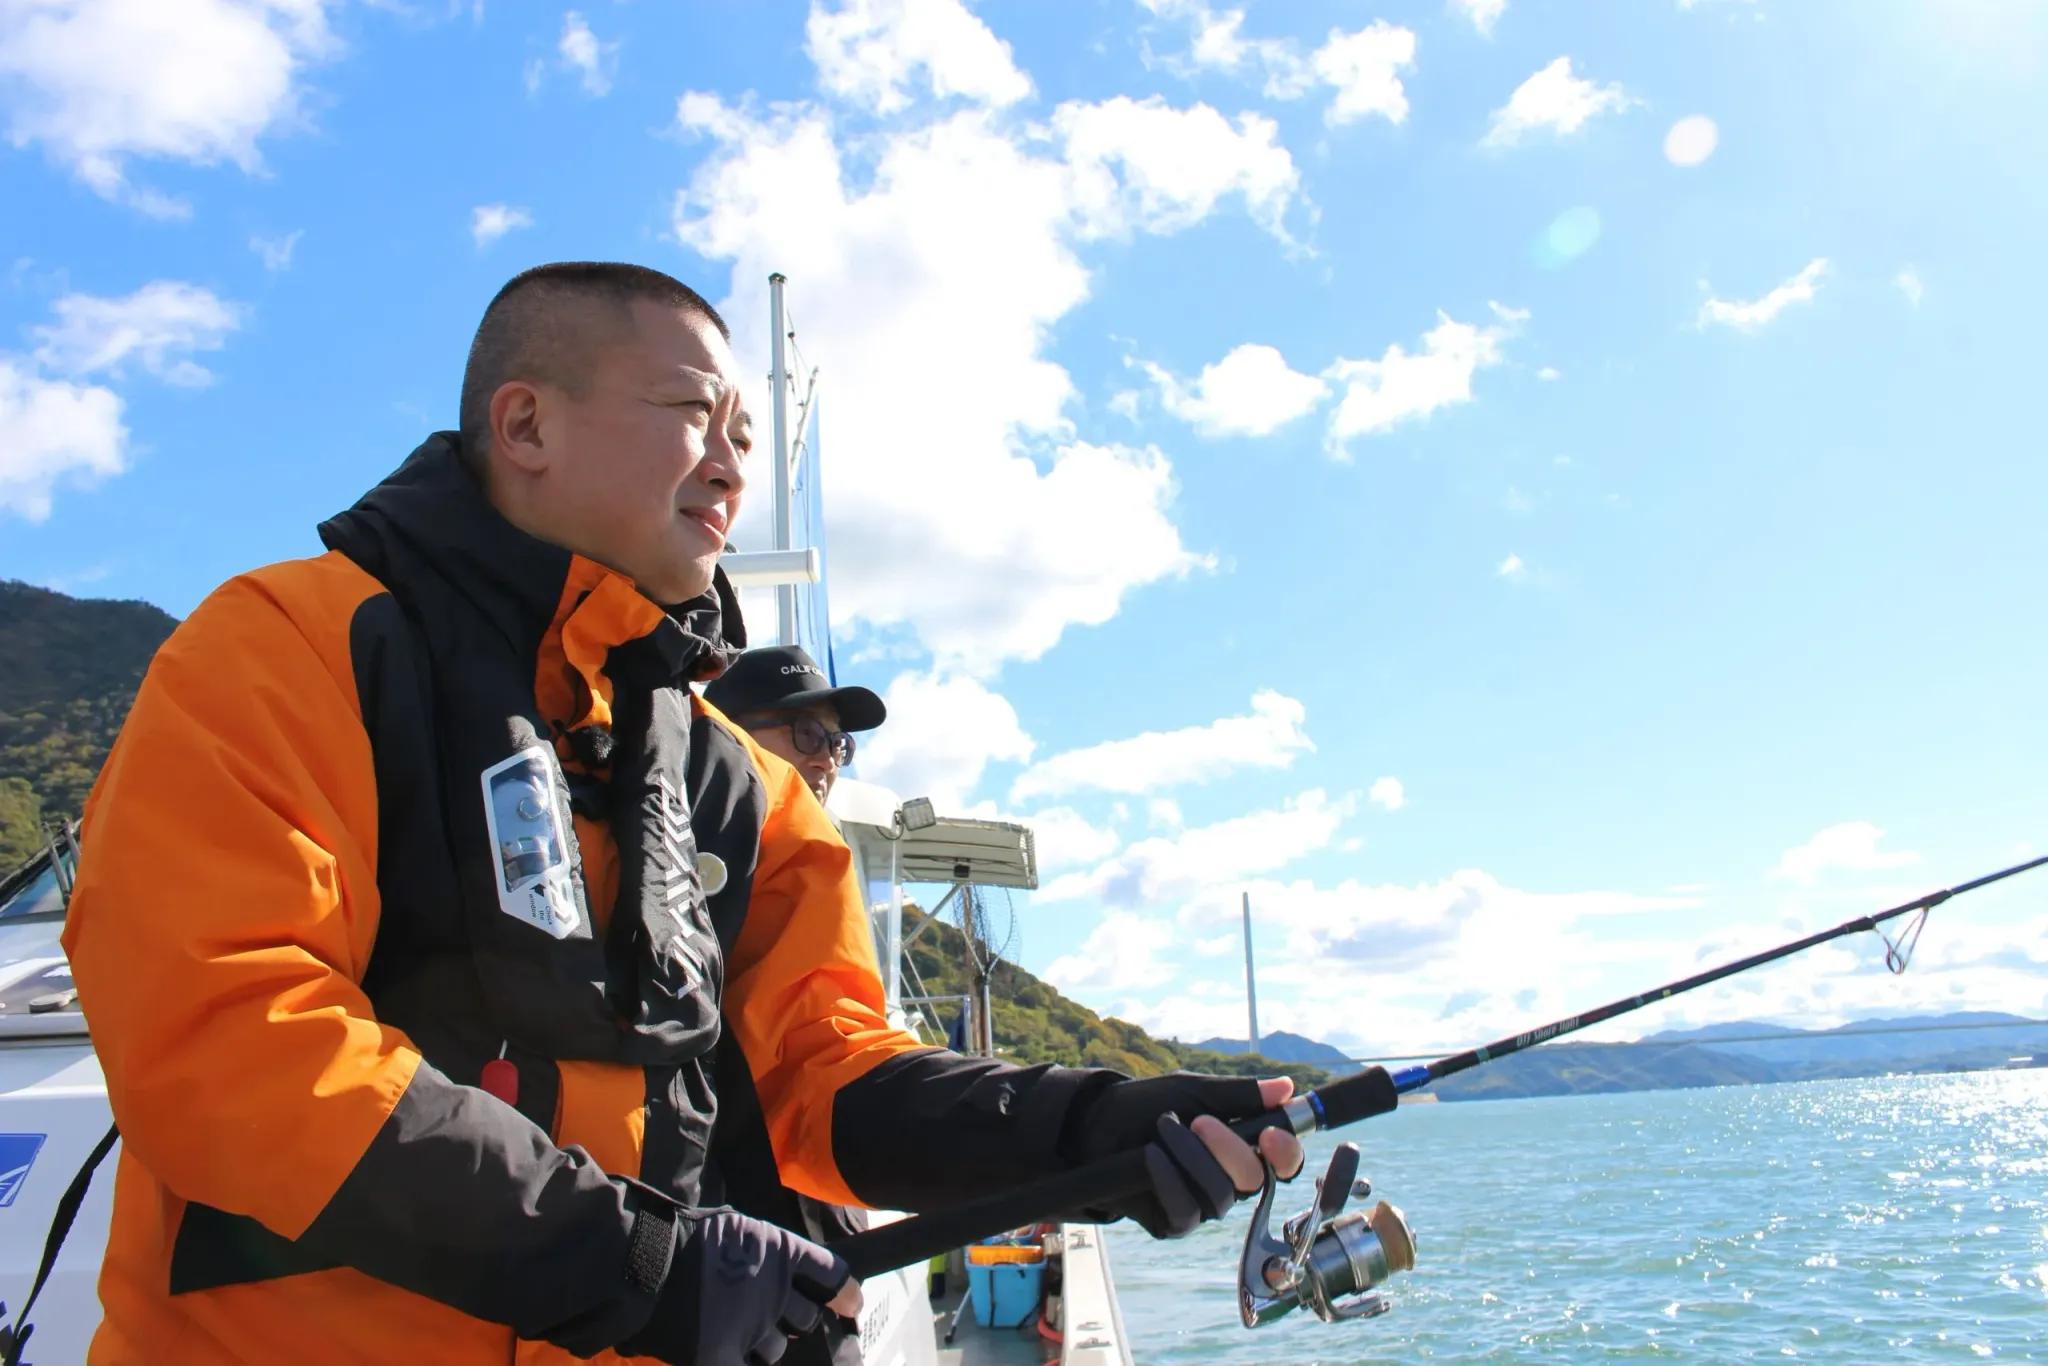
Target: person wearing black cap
780,696
784,700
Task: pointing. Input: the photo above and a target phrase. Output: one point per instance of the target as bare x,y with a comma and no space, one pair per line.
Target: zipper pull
501,1077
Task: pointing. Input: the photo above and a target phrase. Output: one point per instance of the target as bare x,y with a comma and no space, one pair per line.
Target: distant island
1743,1052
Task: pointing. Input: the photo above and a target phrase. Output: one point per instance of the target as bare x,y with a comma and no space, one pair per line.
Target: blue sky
1536,493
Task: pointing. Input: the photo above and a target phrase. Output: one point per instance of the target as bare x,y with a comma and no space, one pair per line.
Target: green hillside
1035,1023
69,668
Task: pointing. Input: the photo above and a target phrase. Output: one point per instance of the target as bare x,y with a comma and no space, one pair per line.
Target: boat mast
1251,987
778,379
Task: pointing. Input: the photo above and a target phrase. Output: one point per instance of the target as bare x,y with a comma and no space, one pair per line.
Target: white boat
53,1100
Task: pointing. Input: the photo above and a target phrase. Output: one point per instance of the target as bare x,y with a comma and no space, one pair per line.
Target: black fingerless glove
1189,1186
736,1291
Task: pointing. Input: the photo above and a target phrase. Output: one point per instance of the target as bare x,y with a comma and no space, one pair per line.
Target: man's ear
515,426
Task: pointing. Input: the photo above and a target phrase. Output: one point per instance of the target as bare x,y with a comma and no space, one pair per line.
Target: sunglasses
810,736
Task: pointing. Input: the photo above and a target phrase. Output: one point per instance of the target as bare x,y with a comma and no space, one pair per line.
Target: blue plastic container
1006,1293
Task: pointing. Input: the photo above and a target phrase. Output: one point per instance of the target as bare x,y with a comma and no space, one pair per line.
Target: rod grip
924,1236
1358,1096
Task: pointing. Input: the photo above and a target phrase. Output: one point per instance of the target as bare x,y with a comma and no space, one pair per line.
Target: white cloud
1165,870
158,326
1220,45
61,431
1176,165
276,252
1122,953
99,82
489,222
1165,813
1459,960
1908,281
1403,386
1252,391
1691,140
1388,794
1549,373
1512,568
943,732
1481,14
1755,313
1064,838
1124,403
1555,101
1270,736
1364,68
869,51
885,248
57,431
594,62
1848,847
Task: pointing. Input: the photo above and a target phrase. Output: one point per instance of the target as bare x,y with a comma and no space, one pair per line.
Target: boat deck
975,1345
1093,1320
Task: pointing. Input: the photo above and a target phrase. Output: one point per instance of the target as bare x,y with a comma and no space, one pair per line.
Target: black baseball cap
784,678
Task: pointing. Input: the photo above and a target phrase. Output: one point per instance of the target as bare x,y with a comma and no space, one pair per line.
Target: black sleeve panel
928,1129
460,1198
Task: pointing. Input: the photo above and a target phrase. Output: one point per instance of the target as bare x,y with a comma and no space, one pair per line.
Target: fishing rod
1325,1255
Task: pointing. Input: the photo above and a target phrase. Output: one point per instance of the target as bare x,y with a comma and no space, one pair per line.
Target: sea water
1894,1219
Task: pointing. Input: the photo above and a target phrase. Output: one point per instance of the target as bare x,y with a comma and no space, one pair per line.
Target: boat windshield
39,895
36,995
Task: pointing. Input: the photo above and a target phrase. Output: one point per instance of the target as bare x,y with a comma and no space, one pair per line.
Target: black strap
14,1340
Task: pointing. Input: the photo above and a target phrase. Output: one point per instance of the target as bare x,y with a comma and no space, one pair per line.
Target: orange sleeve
227,902
803,991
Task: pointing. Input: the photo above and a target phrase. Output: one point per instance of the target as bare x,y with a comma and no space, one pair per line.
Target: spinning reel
1323,1254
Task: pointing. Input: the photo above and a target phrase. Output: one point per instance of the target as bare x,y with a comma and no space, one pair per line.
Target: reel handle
921,1237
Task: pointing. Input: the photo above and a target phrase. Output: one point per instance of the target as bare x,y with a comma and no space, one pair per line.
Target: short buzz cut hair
548,322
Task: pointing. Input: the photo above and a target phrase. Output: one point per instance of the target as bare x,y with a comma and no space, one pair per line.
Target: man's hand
1277,1146
738,1290
1198,1168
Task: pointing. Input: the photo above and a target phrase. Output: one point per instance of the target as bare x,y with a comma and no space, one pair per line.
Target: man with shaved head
428,921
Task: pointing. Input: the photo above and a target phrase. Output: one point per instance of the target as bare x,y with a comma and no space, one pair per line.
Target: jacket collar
431,514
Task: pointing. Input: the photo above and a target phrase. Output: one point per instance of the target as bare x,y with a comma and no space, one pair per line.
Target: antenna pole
1251,985
778,384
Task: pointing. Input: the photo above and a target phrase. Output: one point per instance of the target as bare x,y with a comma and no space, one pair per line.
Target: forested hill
1035,1023
69,668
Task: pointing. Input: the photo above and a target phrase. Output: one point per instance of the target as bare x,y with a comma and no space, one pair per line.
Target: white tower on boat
1251,984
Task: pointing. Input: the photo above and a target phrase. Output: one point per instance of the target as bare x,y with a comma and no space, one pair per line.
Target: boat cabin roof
985,853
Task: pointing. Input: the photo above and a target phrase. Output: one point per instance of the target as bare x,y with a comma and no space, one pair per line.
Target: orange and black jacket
442,796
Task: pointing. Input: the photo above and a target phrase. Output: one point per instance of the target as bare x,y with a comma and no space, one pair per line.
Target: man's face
774,733
649,472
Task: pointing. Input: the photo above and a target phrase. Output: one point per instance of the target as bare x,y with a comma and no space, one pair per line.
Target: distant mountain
1035,1023
1282,1046
1731,1054
69,668
1990,1034
1582,1069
